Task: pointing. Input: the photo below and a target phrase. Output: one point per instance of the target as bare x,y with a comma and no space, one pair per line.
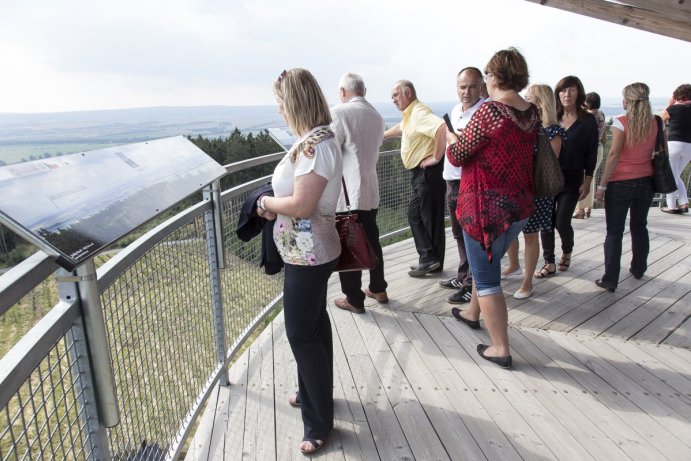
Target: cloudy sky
61,55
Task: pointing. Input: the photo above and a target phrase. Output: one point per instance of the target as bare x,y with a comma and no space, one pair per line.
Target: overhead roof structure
671,18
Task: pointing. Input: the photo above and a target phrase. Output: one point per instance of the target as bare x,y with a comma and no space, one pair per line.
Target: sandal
565,262
579,214
294,400
545,272
315,446
587,212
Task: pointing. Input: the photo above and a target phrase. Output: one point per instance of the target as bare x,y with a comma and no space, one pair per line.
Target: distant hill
30,136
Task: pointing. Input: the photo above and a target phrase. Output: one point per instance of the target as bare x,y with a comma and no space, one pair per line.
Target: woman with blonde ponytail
627,184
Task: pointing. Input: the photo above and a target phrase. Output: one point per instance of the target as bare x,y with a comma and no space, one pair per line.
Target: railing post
213,225
84,381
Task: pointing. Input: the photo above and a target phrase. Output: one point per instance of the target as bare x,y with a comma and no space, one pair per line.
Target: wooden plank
440,358
236,408
667,322
582,415
494,396
672,24
575,318
455,437
419,433
553,288
200,444
259,437
386,430
575,382
661,302
646,381
681,337
632,300
644,355
357,441
289,427
621,394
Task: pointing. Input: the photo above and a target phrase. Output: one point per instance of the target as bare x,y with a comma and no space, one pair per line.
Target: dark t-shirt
679,122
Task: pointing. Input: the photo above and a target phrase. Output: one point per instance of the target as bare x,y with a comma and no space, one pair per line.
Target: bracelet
601,187
260,202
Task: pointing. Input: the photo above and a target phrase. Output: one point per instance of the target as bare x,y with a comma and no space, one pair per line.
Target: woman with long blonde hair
627,184
306,185
543,97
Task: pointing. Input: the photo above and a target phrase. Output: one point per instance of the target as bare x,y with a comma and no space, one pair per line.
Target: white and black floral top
314,240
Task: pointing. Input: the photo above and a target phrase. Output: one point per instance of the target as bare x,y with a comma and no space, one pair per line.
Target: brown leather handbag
356,250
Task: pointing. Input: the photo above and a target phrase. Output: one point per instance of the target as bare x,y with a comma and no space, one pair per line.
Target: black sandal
317,445
565,262
545,272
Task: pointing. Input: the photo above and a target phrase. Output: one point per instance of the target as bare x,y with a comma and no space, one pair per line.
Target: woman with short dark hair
495,199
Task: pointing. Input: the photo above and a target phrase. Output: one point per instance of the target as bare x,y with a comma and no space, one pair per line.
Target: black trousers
426,213
621,196
351,282
464,275
564,205
308,329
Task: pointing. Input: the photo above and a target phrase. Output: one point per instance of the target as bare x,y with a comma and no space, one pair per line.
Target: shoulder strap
659,139
345,193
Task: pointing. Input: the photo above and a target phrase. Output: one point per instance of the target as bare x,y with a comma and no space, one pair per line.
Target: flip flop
316,444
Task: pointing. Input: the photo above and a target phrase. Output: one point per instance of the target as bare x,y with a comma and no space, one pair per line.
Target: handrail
24,277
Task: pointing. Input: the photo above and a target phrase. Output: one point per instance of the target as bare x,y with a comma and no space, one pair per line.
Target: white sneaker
518,273
523,294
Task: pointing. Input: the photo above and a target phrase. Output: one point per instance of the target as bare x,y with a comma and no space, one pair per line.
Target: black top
579,150
679,122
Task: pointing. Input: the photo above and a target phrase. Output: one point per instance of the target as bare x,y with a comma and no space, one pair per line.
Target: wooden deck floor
596,375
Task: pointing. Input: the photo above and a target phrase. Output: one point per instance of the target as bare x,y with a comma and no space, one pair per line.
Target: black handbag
356,251
547,175
663,178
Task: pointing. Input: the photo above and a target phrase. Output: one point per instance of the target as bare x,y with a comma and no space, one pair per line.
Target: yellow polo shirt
419,126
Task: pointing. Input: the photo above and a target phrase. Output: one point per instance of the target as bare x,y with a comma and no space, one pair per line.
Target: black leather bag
547,175
663,178
356,251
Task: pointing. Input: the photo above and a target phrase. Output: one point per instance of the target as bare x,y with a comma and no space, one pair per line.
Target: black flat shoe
599,283
504,362
474,324
670,210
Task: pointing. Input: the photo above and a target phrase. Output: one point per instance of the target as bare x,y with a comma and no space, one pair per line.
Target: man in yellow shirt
423,146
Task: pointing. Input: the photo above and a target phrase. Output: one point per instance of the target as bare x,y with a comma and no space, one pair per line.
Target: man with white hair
359,130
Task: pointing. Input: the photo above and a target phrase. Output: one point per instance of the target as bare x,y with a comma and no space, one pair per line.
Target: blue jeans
636,195
487,275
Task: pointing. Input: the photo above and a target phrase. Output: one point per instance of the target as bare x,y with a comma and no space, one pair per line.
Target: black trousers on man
351,282
308,330
464,274
426,213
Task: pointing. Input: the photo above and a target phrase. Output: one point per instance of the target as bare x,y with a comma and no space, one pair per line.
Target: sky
66,55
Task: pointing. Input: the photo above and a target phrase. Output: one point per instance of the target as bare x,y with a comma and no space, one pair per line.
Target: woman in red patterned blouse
496,194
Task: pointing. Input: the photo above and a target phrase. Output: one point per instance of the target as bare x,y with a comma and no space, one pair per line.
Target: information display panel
73,206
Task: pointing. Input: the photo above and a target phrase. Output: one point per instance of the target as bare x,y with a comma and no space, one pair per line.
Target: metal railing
177,306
